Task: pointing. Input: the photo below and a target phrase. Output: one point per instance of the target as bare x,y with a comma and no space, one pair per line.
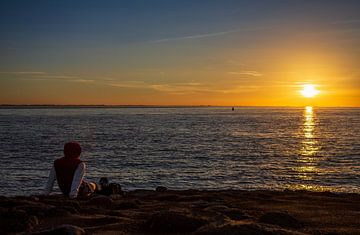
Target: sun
309,91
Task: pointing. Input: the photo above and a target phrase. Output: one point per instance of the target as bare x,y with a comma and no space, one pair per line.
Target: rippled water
212,148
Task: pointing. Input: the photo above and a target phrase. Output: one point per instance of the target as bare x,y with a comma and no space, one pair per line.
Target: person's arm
50,182
77,179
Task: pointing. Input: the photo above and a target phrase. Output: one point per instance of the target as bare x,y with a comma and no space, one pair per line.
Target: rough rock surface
65,229
172,222
280,219
184,212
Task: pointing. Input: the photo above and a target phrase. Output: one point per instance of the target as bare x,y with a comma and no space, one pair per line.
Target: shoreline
185,212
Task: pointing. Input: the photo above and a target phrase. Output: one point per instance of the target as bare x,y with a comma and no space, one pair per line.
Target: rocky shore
165,211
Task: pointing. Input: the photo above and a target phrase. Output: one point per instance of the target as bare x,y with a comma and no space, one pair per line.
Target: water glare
309,144
309,147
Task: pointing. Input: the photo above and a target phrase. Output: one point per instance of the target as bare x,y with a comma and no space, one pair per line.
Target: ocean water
180,148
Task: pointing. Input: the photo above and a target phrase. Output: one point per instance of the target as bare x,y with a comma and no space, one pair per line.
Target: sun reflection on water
307,162
309,143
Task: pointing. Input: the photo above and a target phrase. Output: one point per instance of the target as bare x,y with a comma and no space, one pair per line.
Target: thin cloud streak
60,77
25,73
44,76
249,72
128,84
194,36
207,35
353,21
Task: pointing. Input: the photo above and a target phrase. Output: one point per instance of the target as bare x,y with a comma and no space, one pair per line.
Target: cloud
175,88
196,36
240,89
353,21
128,84
42,76
208,35
248,72
181,88
82,80
60,77
24,73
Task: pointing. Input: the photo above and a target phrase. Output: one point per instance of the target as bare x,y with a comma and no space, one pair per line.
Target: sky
236,53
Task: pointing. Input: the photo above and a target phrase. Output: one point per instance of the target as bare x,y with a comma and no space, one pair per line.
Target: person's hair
72,149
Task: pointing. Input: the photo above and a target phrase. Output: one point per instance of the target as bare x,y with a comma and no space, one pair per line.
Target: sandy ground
184,212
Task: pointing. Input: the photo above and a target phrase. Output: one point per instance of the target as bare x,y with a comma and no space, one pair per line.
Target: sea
249,148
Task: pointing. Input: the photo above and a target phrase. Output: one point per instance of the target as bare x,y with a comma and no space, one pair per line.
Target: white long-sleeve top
75,185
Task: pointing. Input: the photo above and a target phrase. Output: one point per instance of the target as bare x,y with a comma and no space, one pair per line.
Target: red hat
72,149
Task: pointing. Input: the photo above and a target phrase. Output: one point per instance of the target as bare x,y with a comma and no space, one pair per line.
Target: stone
281,219
110,189
126,205
235,214
37,209
161,189
243,229
100,201
65,229
172,222
16,220
32,221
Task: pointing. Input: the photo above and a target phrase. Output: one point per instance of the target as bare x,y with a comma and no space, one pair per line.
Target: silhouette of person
69,172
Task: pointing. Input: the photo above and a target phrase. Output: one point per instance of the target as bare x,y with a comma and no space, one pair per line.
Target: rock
219,208
37,209
69,209
281,219
65,229
117,196
166,197
235,214
34,198
229,229
126,205
243,229
112,188
100,201
60,202
172,222
58,212
17,213
161,189
32,221
232,213
16,220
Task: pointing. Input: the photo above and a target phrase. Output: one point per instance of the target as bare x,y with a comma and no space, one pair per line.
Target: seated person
69,173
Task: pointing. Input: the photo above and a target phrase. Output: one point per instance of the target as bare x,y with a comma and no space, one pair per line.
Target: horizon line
160,106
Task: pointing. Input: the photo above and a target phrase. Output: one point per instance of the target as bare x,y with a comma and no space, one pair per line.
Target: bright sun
309,91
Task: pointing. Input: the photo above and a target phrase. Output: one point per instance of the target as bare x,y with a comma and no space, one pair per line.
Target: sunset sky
256,53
